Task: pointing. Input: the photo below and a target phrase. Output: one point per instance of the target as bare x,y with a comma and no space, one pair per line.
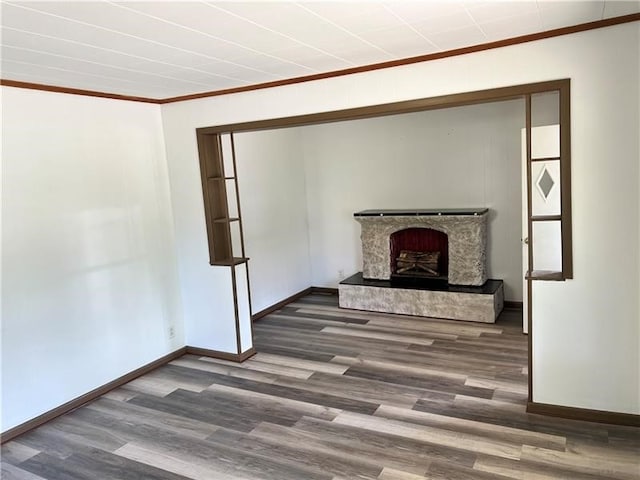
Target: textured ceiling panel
171,48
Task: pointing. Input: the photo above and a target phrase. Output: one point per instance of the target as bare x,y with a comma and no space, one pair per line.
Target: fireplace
419,256
429,263
466,239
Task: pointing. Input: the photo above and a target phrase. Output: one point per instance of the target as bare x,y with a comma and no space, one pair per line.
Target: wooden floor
332,394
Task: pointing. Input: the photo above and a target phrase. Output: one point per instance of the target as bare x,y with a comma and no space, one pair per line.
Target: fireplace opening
419,255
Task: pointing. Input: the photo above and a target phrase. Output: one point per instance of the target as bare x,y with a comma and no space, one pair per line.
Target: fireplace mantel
466,229
421,212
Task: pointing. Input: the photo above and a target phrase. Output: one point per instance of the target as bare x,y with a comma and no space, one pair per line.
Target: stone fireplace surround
466,230
468,294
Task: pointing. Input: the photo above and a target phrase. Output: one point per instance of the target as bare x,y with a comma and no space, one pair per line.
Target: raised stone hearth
476,304
461,290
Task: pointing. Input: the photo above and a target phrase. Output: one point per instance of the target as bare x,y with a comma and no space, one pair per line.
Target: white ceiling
172,48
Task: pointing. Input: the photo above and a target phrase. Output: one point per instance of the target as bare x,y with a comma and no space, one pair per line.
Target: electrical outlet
172,332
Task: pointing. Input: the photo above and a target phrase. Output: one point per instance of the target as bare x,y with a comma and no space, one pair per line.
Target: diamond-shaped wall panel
545,183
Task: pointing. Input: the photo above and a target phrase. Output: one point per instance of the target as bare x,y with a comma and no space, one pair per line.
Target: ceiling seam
349,32
220,39
300,42
154,42
117,52
399,17
100,64
475,23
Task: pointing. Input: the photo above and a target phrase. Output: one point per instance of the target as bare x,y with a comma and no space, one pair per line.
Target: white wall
597,314
206,291
274,214
466,157
586,331
90,283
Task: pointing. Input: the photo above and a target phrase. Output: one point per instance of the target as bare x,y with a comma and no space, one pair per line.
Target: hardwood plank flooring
332,395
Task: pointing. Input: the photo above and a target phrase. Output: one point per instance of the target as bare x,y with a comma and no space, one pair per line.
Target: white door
545,144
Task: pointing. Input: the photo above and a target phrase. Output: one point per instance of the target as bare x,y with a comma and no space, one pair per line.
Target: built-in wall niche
224,227
547,187
221,199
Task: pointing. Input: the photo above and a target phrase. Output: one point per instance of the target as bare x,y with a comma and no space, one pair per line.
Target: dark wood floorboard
332,395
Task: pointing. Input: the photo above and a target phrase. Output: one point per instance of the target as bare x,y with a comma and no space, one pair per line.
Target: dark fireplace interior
419,255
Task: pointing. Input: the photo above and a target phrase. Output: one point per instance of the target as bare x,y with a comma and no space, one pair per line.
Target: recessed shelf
545,275
230,262
545,159
226,220
546,218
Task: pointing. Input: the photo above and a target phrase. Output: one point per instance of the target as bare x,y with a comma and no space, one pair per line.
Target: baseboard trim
232,357
585,414
118,382
513,305
279,305
88,397
324,290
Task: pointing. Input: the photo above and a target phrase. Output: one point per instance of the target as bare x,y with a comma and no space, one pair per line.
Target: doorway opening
535,222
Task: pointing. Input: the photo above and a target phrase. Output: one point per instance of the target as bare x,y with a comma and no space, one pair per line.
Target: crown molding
583,27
